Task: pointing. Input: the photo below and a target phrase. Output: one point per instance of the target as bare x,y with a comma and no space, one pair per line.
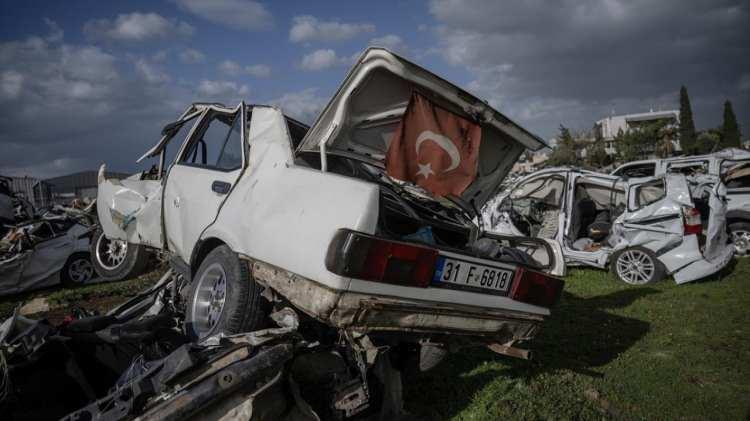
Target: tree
687,127
730,131
565,150
596,155
708,140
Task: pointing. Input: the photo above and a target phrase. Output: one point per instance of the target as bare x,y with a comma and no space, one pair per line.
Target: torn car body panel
131,209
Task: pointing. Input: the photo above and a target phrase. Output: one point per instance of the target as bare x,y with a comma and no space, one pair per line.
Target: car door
208,165
654,214
47,259
131,209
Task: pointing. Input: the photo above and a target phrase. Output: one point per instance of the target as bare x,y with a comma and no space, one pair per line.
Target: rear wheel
77,270
224,297
637,266
740,237
115,260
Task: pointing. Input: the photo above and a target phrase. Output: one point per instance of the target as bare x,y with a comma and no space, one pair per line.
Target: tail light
692,218
363,256
536,288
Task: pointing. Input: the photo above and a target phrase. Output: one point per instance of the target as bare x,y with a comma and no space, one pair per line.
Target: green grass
612,351
62,298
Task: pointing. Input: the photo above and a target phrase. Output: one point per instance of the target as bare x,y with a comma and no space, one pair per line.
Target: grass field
609,351
659,352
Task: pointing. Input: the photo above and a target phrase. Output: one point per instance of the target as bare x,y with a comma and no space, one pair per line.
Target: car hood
363,114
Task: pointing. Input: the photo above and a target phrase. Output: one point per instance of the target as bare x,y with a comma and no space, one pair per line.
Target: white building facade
607,128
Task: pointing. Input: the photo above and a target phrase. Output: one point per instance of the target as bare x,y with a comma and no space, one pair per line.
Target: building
36,191
78,185
606,129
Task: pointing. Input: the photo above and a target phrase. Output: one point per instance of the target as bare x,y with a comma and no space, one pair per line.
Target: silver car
643,229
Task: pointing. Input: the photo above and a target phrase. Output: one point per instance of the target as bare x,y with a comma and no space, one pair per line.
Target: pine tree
564,152
730,132
687,127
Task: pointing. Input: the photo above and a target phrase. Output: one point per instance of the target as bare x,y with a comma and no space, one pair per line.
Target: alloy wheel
80,270
111,253
208,299
741,240
635,267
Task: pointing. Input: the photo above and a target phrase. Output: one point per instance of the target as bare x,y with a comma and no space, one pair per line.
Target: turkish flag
434,148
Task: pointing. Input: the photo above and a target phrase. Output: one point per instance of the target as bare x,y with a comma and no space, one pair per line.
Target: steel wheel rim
635,267
110,253
741,240
208,299
80,270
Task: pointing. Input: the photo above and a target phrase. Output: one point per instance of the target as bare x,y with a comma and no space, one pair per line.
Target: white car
642,228
43,253
257,209
702,171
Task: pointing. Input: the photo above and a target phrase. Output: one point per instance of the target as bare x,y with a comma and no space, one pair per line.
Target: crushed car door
130,209
206,169
653,218
48,258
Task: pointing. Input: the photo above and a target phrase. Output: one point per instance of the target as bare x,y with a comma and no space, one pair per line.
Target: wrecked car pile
47,249
356,236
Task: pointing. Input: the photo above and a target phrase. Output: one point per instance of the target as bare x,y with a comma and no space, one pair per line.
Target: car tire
77,270
115,260
637,266
224,297
740,232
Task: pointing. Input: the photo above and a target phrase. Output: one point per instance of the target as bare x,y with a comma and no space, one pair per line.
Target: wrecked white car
732,166
51,249
642,228
257,210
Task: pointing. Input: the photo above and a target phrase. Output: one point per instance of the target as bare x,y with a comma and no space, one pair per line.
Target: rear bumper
365,313
703,267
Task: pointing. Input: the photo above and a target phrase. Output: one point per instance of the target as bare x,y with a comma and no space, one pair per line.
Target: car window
646,194
637,171
297,131
548,190
736,174
171,149
217,144
692,168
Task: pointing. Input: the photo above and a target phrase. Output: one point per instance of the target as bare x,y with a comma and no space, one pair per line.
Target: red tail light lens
536,288
692,217
366,257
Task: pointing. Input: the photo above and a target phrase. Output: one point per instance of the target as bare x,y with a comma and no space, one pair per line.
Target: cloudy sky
86,82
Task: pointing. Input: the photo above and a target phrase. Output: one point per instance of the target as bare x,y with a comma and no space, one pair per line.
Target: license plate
463,274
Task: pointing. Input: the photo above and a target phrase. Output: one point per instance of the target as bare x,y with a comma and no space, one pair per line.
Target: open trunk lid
361,117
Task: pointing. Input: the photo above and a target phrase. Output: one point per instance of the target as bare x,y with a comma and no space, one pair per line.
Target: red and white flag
434,148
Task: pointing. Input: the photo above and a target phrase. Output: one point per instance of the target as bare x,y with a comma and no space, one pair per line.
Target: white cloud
304,105
309,28
137,26
258,70
150,72
232,68
391,42
11,84
321,60
191,56
56,33
237,14
221,88
229,67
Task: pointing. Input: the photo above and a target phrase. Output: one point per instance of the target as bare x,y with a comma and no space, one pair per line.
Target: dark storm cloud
572,62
